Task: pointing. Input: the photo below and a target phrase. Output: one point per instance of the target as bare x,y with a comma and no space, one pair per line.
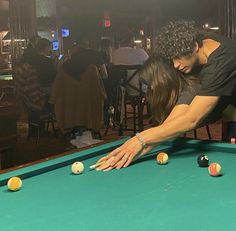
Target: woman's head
164,86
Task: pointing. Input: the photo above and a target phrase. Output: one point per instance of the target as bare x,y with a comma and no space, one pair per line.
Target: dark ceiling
86,15
200,10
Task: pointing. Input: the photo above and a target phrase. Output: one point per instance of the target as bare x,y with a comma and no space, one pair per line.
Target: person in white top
126,55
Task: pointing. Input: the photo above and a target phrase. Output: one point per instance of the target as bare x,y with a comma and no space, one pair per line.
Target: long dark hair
165,84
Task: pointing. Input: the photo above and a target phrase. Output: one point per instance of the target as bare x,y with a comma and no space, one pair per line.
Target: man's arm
177,111
200,107
178,122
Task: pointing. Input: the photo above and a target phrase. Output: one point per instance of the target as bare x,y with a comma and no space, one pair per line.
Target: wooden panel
8,134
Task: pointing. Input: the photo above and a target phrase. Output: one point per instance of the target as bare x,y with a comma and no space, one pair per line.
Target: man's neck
208,47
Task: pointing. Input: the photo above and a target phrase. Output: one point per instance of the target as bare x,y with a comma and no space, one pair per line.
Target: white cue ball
77,168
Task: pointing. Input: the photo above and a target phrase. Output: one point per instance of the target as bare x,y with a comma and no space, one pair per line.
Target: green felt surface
178,196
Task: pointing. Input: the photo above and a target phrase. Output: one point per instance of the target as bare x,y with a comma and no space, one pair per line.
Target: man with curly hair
186,48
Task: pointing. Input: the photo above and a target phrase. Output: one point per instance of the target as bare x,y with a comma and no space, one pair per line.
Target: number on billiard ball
203,161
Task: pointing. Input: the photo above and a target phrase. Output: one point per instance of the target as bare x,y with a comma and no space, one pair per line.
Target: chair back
129,91
128,77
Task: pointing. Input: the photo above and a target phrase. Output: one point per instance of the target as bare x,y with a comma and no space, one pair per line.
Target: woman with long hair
165,92
166,87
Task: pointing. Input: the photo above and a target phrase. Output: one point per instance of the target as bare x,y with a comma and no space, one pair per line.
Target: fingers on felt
102,160
108,169
113,153
105,158
130,159
125,159
120,164
106,164
118,157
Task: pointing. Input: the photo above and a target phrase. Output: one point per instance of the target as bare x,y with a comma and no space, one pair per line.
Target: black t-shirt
79,62
188,94
217,77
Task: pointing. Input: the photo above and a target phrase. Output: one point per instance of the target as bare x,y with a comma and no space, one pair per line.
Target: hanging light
138,41
214,28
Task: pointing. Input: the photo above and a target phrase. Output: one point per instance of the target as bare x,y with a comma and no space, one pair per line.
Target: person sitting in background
31,51
127,55
81,59
78,102
29,94
34,78
44,65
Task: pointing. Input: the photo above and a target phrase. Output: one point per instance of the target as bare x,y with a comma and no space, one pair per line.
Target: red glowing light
107,23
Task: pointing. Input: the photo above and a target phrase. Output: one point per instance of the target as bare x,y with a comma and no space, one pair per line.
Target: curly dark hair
177,39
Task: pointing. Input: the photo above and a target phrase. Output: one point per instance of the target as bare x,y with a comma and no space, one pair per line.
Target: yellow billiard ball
14,184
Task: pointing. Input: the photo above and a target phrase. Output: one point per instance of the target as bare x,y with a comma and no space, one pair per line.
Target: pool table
178,196
6,77
6,80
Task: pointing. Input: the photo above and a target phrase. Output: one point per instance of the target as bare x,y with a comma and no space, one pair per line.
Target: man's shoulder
222,58
227,45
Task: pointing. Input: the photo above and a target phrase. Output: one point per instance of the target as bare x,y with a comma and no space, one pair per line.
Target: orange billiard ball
214,169
162,158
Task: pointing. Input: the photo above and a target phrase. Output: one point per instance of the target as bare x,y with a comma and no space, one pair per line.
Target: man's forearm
169,130
200,107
